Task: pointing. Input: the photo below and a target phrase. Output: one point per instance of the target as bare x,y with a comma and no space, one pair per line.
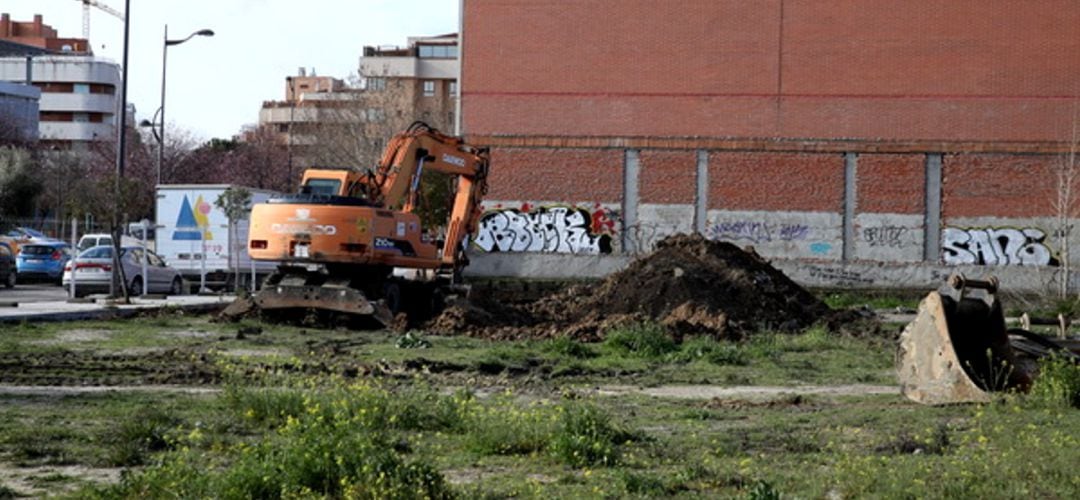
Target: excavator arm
419,149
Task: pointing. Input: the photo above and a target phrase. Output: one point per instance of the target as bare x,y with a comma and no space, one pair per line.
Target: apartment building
330,122
79,92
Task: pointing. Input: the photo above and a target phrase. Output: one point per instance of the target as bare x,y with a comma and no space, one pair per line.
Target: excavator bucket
957,350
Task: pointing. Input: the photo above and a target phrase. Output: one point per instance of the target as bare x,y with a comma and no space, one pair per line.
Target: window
453,90
82,88
376,83
80,117
429,88
328,187
437,51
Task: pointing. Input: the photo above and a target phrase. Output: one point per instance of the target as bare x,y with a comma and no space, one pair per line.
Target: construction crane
86,14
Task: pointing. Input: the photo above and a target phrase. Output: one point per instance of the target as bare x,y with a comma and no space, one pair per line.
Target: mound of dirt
691,285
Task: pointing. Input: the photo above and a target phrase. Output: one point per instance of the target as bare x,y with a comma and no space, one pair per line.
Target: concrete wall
859,220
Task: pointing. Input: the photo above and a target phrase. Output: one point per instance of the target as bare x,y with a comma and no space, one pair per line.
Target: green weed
712,351
1058,384
501,428
644,340
587,436
135,438
336,445
566,346
412,340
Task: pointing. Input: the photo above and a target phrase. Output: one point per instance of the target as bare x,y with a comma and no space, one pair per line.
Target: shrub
586,436
762,490
644,340
412,340
146,432
504,429
264,405
1058,383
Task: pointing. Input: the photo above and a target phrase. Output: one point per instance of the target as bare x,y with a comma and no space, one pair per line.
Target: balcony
77,131
94,103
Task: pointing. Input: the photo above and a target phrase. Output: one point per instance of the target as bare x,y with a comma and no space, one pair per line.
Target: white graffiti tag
553,230
996,247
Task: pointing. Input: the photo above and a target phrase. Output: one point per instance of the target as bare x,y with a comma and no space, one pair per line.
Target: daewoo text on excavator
351,243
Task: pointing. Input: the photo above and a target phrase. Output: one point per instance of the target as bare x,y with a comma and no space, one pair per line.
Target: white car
93,272
89,241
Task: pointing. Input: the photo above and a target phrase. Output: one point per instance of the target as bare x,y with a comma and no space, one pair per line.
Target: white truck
192,235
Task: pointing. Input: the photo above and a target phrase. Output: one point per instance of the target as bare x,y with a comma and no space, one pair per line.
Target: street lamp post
161,110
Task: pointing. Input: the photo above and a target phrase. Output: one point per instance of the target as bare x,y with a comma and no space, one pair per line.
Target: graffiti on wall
557,229
996,247
757,231
885,235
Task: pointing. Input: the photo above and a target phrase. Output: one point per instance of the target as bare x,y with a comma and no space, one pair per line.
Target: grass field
176,406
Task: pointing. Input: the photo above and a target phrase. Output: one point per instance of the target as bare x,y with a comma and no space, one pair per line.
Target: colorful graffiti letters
996,247
552,230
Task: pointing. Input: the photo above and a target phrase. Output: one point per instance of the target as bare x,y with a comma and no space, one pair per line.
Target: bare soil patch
690,285
82,367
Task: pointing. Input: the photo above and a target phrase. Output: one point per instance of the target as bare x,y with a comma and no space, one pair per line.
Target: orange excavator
352,242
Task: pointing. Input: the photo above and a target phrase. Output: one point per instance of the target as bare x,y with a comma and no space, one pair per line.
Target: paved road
33,292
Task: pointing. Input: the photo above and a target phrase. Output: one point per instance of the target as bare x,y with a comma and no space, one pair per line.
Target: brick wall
568,175
999,185
668,176
894,184
846,69
776,181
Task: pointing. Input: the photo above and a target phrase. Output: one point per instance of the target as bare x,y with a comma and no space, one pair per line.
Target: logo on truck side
321,229
193,224
302,215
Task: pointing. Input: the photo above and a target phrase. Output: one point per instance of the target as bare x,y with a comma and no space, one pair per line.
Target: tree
236,203
19,185
1067,205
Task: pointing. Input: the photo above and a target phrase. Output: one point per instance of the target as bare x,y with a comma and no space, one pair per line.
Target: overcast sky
216,85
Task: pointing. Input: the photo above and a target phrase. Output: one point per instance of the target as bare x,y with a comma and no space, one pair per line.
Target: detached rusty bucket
957,349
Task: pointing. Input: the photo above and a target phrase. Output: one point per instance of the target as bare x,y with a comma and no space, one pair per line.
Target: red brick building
869,130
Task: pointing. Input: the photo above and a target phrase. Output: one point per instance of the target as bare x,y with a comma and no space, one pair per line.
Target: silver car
93,272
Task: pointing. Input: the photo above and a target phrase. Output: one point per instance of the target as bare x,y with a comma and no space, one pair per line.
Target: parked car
27,235
7,264
93,270
42,261
89,241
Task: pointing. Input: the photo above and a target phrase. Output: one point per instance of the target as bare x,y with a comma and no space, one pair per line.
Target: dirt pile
691,285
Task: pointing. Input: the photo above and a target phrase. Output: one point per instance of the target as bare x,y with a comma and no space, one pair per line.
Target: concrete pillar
631,169
701,195
850,192
932,222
